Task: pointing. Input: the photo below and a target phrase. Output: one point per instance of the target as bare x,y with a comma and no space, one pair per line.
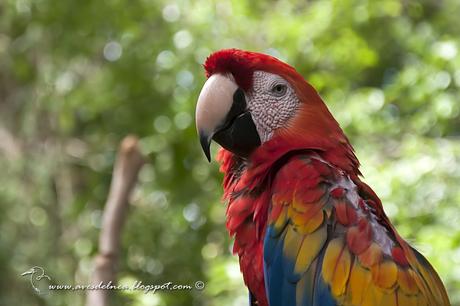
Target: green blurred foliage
77,76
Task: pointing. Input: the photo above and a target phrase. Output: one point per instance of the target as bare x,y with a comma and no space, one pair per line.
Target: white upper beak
214,103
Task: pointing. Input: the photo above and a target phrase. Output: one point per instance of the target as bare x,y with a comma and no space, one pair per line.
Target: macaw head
251,99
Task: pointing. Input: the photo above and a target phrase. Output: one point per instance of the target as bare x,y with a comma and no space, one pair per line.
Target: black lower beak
240,137
237,133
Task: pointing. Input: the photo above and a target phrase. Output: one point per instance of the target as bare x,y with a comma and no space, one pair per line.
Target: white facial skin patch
272,102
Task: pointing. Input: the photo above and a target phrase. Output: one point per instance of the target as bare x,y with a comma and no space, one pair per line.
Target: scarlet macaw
307,230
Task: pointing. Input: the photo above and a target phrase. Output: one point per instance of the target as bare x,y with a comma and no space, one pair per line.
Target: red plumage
251,185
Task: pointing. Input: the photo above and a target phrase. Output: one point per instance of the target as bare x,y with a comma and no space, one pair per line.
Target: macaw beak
222,115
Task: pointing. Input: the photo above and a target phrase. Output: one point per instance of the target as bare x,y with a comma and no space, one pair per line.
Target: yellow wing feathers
383,283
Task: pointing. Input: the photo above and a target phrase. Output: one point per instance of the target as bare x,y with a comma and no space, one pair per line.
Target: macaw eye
279,90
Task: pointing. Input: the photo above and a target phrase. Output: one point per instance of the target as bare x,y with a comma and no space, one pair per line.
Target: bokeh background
77,76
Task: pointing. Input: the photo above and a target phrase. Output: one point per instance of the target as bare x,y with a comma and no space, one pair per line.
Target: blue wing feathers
275,277
273,267
280,290
322,292
282,284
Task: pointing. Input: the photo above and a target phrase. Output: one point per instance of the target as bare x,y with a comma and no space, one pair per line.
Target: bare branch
9,145
127,166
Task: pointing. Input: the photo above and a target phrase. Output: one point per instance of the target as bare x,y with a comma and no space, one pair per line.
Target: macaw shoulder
308,186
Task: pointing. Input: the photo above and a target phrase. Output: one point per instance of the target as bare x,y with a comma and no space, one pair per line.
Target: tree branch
127,166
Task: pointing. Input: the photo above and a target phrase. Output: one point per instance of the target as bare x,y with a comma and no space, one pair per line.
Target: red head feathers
242,64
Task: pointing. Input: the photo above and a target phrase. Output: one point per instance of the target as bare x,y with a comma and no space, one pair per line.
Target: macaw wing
328,244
